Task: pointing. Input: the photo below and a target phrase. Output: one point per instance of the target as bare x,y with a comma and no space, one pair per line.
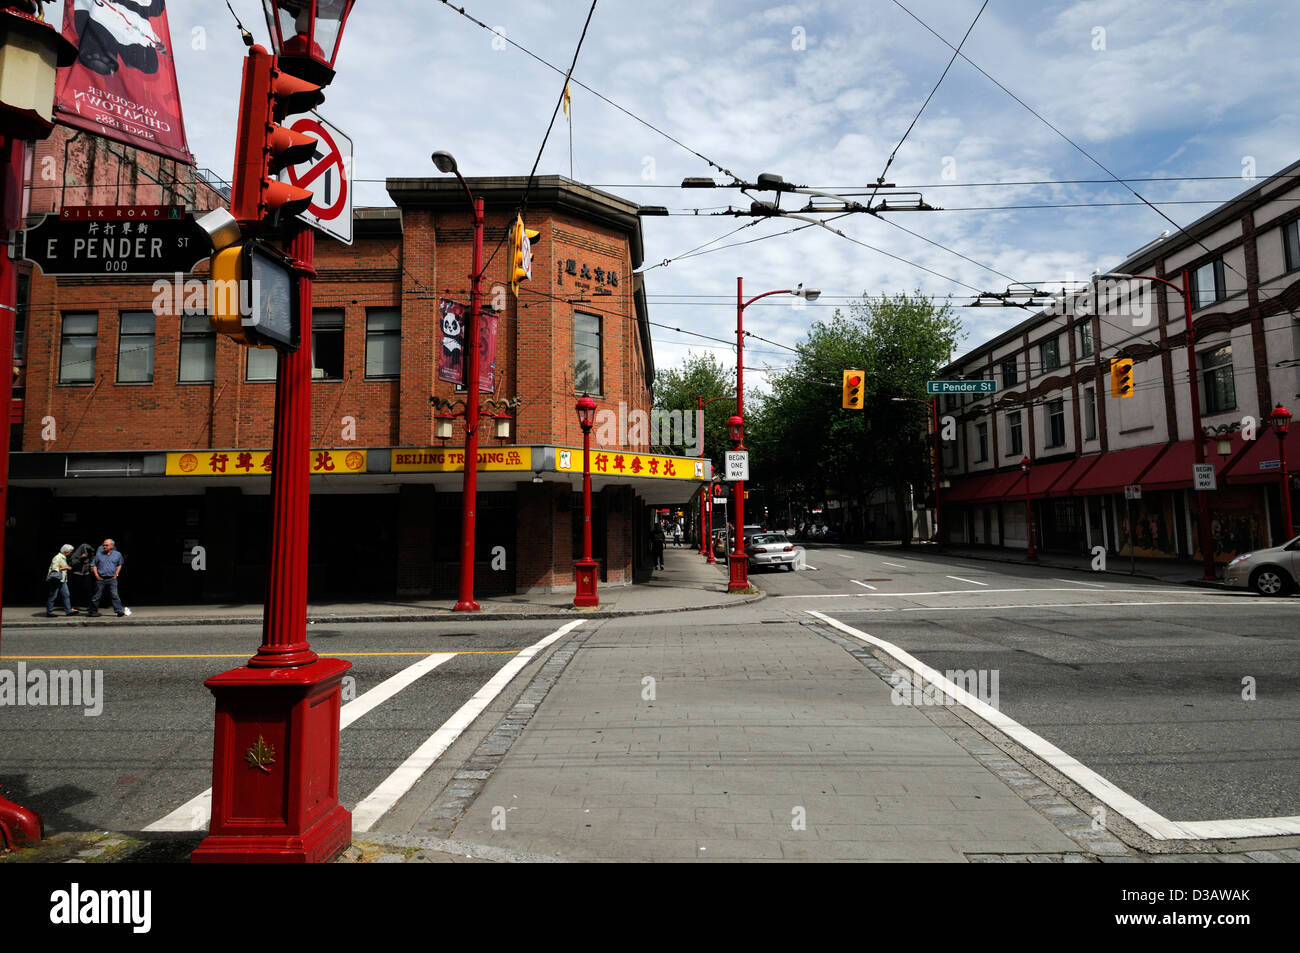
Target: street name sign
1270,464
92,241
961,387
737,465
1133,491
1203,476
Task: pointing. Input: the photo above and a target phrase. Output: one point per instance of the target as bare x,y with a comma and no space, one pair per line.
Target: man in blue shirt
106,566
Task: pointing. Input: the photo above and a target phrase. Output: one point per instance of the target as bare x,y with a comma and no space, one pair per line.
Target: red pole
934,422
712,560
11,191
739,561
1287,526
469,488
704,539
1030,552
586,495
586,569
1198,438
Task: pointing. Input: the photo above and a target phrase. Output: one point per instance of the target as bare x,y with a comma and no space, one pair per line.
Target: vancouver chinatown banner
123,82
451,347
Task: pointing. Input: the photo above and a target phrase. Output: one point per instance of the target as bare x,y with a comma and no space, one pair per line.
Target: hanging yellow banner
619,463
446,460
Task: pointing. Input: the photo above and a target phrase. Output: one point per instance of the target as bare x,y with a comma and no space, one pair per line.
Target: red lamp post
32,52
713,489
739,561
1030,553
1281,418
585,569
706,541
469,375
933,405
275,762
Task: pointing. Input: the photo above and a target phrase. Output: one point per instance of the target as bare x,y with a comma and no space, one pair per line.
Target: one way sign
328,174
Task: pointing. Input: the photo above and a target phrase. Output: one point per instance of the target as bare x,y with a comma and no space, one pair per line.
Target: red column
469,488
739,561
934,422
1198,438
585,594
704,538
1288,529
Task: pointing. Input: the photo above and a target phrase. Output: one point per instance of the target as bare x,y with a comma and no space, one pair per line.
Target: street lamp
1281,418
584,594
445,162
1025,464
933,405
739,561
1202,497
277,717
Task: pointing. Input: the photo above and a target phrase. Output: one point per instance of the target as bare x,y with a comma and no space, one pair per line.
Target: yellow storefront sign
254,462
619,463
446,460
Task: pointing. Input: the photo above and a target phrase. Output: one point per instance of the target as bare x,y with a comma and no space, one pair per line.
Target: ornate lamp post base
275,786
585,573
739,566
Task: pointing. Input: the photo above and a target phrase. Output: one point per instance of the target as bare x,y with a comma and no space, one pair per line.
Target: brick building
133,420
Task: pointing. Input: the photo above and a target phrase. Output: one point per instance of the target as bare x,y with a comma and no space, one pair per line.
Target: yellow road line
243,655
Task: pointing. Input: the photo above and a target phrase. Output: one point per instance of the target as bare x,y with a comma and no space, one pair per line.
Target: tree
804,441
679,389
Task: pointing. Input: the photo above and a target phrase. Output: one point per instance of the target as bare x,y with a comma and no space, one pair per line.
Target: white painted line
987,592
862,584
195,813
895,565
844,555
1080,582
974,582
813,568
1056,605
378,802
1130,807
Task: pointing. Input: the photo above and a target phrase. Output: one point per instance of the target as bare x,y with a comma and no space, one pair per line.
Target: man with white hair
57,580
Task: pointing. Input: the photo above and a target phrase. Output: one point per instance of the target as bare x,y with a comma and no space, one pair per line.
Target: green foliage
801,438
680,388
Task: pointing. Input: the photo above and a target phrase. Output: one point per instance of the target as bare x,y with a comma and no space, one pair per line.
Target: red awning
1173,471
1065,485
987,488
1263,452
965,489
1119,468
1042,477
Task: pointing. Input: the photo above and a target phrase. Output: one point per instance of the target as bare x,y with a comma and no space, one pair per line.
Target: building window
20,315
135,348
327,345
77,352
1089,413
1056,423
1085,339
1208,284
383,343
1015,446
198,350
1049,354
982,439
586,353
1291,241
1220,391
1010,372
261,363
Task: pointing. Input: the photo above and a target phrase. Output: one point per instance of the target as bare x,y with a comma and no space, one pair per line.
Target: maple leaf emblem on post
260,755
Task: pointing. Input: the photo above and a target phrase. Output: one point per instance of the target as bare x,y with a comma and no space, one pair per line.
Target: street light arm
784,291
1164,281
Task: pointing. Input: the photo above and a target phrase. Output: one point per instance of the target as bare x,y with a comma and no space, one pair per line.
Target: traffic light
851,398
254,296
263,148
521,253
1121,377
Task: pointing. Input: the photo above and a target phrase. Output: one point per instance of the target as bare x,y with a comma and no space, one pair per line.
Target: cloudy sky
1199,92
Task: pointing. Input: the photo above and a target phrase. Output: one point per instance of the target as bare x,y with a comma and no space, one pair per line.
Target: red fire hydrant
18,825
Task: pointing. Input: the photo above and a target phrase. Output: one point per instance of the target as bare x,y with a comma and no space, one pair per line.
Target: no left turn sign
328,174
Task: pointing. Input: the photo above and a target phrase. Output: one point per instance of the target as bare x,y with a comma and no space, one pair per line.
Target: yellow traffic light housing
520,259
1121,377
851,393
253,296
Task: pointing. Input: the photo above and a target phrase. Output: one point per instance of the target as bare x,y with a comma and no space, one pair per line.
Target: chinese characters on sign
255,462
619,463
584,275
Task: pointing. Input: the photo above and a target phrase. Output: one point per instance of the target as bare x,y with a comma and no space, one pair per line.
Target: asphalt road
1142,682
150,748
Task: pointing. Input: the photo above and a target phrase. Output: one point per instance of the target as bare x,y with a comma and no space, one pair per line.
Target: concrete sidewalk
688,582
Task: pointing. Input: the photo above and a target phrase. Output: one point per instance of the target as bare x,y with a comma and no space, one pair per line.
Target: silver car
770,549
1270,572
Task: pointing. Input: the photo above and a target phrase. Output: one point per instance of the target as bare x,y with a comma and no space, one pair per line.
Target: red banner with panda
451,347
123,83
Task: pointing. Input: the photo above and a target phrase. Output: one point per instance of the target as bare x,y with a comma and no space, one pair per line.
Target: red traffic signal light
263,147
851,392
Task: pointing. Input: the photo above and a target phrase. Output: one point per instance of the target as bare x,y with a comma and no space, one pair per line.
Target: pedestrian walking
107,566
80,579
657,540
56,579
677,534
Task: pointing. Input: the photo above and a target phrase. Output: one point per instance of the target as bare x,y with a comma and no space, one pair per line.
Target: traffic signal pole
469,374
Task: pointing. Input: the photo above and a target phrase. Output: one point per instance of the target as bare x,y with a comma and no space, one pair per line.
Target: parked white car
1270,572
770,549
